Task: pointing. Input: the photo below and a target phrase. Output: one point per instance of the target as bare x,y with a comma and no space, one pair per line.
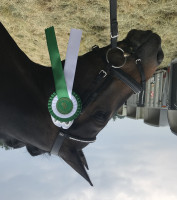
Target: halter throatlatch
60,139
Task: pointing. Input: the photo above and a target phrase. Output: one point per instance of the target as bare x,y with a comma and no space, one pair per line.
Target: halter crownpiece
64,105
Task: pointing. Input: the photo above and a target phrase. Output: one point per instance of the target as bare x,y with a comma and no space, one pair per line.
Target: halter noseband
105,76
62,136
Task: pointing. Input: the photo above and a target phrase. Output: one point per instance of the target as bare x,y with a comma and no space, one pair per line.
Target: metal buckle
138,60
105,73
115,36
95,47
62,134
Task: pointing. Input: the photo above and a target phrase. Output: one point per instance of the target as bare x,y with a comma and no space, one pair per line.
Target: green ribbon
60,83
64,104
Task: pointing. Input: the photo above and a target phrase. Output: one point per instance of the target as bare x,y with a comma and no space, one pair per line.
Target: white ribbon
64,125
71,58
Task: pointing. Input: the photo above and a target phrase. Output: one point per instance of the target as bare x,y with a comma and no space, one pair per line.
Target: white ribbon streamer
64,125
71,58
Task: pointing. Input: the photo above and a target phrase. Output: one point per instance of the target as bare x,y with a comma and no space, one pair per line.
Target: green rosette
64,113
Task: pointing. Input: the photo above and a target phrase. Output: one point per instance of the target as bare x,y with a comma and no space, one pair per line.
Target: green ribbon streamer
59,79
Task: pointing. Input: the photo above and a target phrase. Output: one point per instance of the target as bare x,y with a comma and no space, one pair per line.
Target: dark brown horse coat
25,88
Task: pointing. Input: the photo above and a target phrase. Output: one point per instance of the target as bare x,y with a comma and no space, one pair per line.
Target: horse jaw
77,161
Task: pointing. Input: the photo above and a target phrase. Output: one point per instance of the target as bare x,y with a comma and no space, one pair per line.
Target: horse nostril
160,56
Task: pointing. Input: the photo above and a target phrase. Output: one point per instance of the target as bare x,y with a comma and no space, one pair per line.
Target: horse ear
83,159
73,158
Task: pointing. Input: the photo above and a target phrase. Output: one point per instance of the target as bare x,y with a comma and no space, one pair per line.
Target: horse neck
42,77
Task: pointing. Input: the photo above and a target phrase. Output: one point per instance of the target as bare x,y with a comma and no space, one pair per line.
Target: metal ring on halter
123,54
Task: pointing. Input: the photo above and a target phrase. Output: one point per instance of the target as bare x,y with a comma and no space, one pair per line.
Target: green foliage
117,116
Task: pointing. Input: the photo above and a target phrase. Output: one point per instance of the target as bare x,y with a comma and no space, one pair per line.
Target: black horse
25,88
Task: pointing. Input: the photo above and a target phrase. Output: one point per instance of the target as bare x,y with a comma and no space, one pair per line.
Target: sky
129,161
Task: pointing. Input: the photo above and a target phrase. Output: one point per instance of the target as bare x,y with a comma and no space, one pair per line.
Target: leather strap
113,22
127,79
93,93
57,144
143,83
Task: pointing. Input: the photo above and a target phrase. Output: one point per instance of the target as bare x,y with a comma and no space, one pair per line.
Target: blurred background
129,161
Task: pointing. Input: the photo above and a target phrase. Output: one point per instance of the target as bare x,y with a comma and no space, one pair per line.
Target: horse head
27,86
144,45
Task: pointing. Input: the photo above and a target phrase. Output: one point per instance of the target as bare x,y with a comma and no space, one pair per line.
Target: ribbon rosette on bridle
64,105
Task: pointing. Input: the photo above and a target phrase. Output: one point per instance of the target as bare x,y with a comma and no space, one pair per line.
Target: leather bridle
103,79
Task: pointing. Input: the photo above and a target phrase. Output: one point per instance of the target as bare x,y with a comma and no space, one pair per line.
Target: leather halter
105,76
113,71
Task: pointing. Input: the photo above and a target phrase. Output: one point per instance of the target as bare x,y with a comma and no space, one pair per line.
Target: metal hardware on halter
76,139
138,60
82,141
62,134
115,36
95,47
105,73
125,57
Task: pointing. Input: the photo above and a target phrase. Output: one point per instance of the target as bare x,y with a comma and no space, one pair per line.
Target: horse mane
15,144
